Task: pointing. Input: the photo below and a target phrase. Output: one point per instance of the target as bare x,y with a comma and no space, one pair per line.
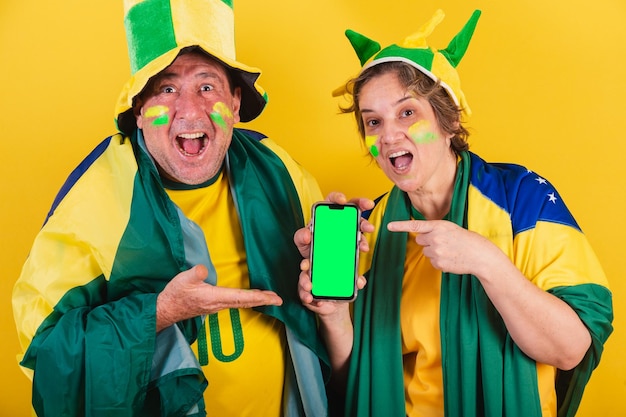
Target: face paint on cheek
420,132
370,142
160,112
220,114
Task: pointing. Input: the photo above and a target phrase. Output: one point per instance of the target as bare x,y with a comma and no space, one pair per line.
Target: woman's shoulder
523,193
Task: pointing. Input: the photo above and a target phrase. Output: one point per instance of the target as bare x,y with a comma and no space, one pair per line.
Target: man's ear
137,105
236,104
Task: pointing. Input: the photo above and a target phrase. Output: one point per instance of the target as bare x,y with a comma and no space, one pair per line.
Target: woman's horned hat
440,65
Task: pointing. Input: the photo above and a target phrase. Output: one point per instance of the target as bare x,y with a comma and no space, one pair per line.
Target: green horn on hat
458,45
364,47
439,65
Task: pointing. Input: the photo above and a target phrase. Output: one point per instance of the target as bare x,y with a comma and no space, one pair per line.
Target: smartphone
334,250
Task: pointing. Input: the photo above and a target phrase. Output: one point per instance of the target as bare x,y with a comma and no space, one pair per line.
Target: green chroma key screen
334,249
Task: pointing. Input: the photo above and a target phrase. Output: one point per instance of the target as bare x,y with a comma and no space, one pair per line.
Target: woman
483,296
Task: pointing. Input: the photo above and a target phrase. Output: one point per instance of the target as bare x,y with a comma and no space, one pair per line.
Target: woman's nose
391,133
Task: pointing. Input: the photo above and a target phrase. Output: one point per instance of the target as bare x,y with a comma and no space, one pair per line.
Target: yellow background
545,81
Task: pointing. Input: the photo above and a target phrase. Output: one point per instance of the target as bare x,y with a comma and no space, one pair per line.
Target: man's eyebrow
164,76
208,74
168,75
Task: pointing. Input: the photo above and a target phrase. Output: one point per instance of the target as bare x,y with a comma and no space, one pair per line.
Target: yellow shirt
246,348
419,324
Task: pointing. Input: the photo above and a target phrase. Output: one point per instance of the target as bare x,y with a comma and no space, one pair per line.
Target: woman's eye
408,113
371,123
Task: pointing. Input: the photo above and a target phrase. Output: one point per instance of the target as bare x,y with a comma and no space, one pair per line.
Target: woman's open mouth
401,160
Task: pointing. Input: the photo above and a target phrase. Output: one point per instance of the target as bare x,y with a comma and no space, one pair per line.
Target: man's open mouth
191,144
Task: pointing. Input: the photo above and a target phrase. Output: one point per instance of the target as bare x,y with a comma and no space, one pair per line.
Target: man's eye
168,89
206,87
408,113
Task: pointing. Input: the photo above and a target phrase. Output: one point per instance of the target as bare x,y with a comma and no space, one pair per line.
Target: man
136,297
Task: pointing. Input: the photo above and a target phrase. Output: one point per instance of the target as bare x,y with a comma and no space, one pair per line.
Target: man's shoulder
252,134
112,155
268,142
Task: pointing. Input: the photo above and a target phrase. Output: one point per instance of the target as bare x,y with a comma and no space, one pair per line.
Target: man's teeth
196,135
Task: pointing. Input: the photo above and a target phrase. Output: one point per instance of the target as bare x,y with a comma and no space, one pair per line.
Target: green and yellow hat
440,65
157,30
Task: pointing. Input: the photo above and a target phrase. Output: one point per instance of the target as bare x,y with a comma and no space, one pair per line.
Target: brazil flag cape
85,304
484,373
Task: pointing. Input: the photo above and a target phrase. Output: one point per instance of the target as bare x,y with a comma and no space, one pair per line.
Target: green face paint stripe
161,120
218,120
144,42
229,3
220,113
419,132
374,151
426,137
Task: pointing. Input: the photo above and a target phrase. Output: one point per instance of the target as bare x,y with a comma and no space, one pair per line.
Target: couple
172,290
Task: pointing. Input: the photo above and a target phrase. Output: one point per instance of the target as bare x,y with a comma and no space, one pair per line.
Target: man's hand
187,296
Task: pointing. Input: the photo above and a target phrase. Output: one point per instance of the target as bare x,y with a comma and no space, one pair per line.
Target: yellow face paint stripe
161,114
370,142
220,114
420,132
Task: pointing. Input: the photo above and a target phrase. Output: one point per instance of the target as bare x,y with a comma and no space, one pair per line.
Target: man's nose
190,105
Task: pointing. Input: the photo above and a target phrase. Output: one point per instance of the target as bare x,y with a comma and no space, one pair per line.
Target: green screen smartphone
334,250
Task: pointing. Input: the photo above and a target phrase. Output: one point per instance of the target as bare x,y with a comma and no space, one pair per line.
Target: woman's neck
434,202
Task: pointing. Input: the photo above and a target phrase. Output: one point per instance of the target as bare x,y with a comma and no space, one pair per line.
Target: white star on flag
541,180
552,197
